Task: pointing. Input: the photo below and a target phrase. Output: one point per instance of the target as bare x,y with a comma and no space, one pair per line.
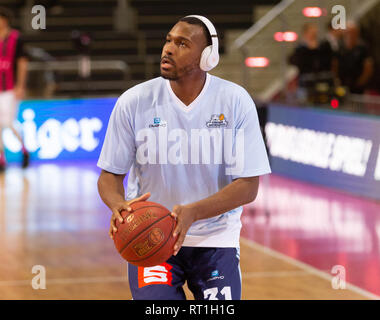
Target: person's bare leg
2,153
25,153
17,134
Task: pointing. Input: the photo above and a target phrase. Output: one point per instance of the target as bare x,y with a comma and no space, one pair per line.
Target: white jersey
182,154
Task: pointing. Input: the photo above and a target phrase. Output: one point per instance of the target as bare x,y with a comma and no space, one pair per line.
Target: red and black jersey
11,49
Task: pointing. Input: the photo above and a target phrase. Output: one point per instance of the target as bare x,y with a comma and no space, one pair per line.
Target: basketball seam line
154,251
122,249
125,247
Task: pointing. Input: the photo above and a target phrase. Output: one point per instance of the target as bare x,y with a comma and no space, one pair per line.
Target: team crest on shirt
157,122
217,121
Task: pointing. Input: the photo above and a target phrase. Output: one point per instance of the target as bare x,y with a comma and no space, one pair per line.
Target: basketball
145,237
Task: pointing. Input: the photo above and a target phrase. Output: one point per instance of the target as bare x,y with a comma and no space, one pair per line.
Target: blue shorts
211,274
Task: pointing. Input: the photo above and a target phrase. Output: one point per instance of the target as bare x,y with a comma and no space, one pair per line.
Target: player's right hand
123,206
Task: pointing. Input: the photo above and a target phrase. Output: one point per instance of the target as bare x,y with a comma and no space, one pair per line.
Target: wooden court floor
51,216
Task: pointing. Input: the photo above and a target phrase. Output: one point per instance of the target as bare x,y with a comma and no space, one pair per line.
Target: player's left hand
19,92
185,216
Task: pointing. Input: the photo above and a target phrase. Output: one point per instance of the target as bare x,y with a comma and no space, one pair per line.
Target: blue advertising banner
60,129
338,150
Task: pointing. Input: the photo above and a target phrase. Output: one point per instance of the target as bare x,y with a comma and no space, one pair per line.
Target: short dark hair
196,21
7,14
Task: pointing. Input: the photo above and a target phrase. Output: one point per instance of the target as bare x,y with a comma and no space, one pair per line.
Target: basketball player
151,134
13,69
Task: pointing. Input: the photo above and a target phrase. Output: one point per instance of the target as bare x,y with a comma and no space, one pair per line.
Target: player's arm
22,70
239,192
367,72
116,159
111,191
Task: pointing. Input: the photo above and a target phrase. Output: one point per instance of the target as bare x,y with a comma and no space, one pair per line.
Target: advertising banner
60,129
338,150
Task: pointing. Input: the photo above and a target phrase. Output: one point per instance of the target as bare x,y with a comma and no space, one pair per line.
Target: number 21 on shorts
211,293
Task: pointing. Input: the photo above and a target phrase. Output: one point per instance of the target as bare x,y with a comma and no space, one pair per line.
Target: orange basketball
145,238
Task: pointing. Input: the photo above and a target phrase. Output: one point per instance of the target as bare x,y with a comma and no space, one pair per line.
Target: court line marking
274,274
53,281
65,281
308,268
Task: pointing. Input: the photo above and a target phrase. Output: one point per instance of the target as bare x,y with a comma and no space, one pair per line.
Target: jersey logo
160,274
215,276
157,122
217,121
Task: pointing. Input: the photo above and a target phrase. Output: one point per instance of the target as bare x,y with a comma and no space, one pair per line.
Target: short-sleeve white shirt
184,153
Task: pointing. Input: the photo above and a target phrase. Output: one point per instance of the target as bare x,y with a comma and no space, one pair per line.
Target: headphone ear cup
204,62
208,59
213,60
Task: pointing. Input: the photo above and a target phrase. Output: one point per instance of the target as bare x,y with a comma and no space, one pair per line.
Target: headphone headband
207,22
210,59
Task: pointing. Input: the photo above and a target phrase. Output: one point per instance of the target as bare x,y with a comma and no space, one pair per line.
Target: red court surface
318,226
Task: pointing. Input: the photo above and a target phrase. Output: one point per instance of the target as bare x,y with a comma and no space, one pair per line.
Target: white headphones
210,54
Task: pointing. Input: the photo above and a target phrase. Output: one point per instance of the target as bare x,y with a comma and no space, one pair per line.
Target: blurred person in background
330,47
306,57
355,66
82,42
328,85
13,71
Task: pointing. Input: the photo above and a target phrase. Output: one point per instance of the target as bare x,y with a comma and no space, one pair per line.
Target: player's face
182,51
312,33
3,23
